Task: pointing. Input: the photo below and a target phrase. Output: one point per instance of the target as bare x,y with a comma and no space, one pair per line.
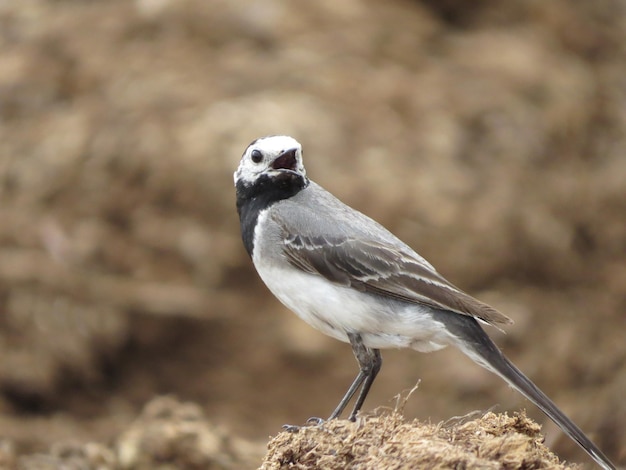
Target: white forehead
274,144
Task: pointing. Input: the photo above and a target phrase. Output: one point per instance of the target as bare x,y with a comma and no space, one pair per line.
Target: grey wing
383,269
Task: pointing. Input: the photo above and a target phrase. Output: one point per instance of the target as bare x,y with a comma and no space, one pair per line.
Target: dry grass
493,441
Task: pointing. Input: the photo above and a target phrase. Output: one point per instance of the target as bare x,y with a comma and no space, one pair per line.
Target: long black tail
477,345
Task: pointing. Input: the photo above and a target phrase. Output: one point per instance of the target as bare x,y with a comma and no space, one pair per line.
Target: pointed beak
286,161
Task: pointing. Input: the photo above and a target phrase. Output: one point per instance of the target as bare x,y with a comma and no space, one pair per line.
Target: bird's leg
374,365
370,362
349,394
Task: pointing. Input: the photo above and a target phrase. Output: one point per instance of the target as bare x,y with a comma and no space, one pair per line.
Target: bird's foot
313,421
293,428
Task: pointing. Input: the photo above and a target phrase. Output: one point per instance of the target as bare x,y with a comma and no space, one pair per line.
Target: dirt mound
494,441
168,434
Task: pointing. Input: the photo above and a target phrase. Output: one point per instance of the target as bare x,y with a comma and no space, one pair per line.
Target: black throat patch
252,199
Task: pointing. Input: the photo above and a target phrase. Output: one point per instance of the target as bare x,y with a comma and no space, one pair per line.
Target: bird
350,278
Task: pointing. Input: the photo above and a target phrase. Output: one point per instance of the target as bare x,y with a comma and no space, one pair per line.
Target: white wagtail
349,277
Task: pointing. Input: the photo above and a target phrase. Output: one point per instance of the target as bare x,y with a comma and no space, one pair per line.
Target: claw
292,428
314,421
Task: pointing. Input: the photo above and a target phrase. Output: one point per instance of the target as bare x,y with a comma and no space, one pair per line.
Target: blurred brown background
490,136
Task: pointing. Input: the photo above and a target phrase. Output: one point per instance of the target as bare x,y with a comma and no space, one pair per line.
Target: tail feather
476,344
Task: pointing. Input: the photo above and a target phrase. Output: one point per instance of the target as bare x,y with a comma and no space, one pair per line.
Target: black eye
256,156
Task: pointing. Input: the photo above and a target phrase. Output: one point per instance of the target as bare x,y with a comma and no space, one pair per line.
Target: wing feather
386,270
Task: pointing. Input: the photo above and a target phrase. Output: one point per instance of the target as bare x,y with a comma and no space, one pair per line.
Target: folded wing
385,270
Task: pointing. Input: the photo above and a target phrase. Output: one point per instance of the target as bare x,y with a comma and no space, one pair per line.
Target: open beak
286,161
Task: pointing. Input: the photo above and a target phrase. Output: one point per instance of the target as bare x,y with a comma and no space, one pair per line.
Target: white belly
336,310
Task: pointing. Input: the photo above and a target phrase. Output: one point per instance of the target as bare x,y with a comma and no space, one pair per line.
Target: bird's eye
256,156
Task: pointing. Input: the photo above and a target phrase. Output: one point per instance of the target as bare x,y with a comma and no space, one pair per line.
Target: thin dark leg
349,394
376,361
370,362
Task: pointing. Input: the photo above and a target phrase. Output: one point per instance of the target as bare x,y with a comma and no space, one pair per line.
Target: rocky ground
490,136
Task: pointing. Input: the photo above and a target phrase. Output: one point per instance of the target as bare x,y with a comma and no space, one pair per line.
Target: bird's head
275,159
